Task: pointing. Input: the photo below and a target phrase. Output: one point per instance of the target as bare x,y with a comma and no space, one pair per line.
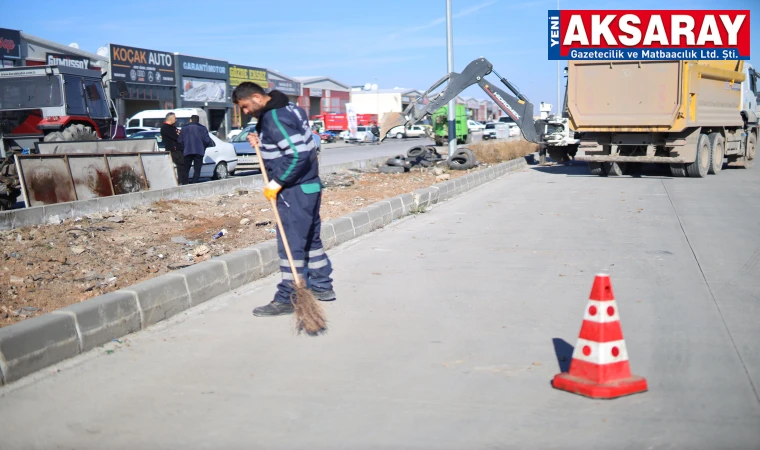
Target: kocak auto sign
57,59
138,65
202,68
10,44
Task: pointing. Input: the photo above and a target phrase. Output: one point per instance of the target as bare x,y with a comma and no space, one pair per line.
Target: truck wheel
596,168
74,132
614,169
749,160
677,170
701,165
717,152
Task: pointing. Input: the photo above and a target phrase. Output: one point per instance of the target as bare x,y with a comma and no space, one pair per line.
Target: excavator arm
516,106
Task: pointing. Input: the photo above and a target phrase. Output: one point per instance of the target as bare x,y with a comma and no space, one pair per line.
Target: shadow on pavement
574,169
564,352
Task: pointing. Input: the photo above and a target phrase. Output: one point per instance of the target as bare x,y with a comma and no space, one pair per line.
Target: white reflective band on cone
602,310
600,352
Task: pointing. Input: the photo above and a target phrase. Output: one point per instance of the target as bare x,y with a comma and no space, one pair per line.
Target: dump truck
441,125
690,115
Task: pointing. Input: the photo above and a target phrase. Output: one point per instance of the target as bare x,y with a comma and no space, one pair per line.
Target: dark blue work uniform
290,158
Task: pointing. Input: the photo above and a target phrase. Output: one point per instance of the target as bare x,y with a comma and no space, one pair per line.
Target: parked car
511,129
133,130
247,159
233,132
219,162
506,119
328,136
475,126
413,131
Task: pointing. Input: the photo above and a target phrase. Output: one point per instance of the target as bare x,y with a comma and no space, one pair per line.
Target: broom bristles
310,316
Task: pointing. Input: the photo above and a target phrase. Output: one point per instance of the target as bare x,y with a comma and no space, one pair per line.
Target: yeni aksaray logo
648,35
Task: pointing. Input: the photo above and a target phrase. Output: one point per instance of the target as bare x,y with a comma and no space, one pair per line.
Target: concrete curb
41,215
40,342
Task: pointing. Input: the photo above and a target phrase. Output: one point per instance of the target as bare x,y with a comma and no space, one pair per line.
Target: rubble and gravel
47,267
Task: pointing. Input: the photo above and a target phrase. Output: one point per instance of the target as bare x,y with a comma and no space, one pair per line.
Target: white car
475,126
400,132
219,162
363,134
231,135
132,130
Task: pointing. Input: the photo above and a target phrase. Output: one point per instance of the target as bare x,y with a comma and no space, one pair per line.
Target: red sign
704,34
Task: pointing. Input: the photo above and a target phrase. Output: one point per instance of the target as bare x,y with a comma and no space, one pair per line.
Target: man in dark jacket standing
194,138
170,138
290,157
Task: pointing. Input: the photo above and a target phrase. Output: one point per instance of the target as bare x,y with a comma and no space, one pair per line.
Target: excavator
516,106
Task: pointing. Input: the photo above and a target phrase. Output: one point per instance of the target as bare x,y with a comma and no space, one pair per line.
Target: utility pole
450,68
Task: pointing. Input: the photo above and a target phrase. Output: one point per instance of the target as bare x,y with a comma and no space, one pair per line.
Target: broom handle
279,222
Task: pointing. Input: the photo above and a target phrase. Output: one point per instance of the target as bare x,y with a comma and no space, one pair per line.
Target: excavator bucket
389,121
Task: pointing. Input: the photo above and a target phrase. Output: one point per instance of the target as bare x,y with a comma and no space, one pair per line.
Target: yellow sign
239,74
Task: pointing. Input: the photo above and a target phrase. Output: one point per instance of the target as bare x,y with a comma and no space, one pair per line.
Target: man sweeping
290,159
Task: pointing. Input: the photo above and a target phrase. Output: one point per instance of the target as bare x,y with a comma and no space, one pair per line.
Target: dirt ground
44,268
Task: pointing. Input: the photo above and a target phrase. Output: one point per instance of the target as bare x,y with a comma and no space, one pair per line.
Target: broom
310,316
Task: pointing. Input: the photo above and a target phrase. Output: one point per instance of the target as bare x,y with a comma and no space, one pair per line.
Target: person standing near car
289,151
170,137
194,139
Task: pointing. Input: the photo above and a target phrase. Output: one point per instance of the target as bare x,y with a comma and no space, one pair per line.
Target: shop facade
240,74
323,95
149,76
204,83
287,85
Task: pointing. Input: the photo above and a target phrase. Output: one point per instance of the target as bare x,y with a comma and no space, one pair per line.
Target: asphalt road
447,331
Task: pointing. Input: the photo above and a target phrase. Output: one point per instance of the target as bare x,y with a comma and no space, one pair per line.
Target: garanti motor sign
138,65
649,35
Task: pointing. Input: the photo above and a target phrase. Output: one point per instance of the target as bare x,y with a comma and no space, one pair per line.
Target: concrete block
161,298
205,280
327,235
133,200
220,187
109,204
344,230
28,216
82,208
421,198
152,196
36,343
408,201
443,191
104,318
435,194
459,186
270,259
204,189
375,216
189,191
243,266
387,210
6,220
62,210
361,223
397,207
172,193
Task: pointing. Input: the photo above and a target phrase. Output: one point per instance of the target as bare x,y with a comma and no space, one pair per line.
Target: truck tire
74,132
749,160
717,152
701,165
596,168
614,169
463,159
677,170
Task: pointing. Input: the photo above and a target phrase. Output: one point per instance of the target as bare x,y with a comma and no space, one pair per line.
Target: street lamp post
450,67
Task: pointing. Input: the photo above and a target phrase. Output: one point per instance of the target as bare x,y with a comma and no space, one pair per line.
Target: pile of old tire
419,156
463,159
396,164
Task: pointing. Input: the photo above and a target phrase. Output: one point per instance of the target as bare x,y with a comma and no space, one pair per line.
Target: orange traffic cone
600,368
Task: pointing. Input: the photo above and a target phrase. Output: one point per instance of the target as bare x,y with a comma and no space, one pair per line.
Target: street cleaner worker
290,158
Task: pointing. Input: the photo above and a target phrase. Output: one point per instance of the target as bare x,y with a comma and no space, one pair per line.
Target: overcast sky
392,42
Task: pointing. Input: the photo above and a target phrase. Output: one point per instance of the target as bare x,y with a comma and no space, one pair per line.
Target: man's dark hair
169,115
245,90
194,118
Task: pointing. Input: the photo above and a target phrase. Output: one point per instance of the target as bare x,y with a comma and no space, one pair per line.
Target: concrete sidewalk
446,333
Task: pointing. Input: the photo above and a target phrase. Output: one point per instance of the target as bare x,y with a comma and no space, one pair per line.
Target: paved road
341,152
444,335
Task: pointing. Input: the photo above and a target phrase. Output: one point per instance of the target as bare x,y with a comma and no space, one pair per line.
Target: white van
154,118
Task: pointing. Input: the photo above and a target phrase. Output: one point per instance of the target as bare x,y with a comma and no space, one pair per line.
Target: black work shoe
273,309
324,296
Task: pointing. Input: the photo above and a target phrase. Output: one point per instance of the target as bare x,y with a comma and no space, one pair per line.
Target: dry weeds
492,152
